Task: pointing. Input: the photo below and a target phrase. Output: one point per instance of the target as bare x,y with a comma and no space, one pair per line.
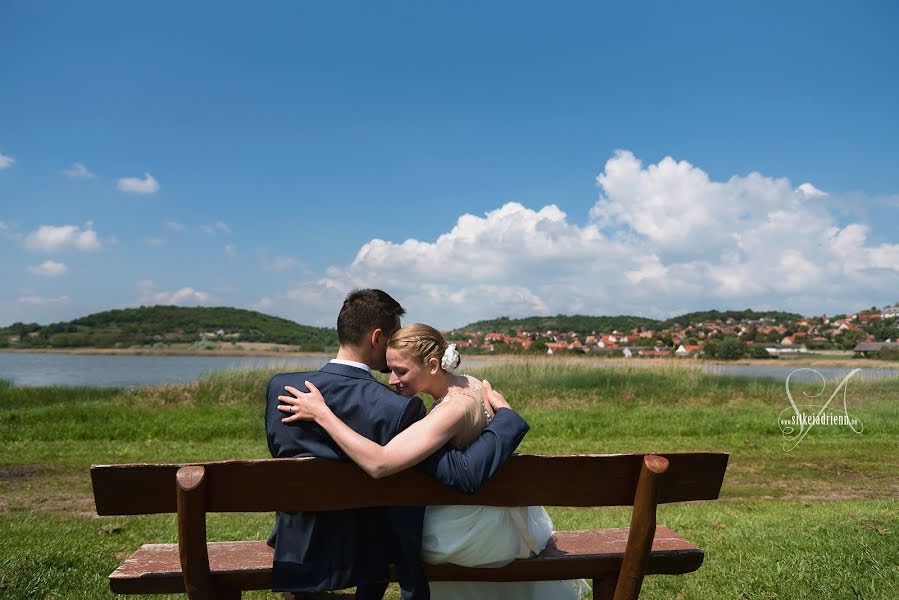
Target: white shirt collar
351,363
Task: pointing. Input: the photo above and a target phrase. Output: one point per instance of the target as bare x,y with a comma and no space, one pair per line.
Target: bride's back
476,411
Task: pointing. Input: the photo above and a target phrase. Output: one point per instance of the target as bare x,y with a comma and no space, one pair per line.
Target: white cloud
49,268
6,161
78,171
661,238
50,238
147,185
807,190
148,294
230,249
154,242
174,226
35,300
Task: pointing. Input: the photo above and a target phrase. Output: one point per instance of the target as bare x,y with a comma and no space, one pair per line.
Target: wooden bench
616,560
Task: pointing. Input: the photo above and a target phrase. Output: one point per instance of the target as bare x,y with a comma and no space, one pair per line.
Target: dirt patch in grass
42,488
19,471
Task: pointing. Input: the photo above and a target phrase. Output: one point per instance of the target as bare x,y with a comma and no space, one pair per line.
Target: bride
420,360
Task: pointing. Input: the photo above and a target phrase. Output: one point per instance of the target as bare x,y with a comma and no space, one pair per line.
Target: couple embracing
342,412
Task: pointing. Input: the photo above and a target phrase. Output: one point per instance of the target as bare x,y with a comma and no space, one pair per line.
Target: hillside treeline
150,325
587,325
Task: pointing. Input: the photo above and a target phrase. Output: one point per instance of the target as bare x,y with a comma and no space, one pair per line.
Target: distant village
730,338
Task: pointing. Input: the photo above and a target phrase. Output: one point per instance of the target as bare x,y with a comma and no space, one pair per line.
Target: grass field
819,521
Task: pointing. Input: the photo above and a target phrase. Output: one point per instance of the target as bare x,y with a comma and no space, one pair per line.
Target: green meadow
820,521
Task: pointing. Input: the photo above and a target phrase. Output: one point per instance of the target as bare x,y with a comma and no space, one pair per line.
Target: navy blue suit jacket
317,551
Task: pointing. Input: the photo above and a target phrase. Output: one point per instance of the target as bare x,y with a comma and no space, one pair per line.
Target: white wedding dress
488,536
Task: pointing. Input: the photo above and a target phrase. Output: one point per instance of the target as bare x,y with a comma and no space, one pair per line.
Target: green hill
150,325
778,317
586,325
582,324
167,324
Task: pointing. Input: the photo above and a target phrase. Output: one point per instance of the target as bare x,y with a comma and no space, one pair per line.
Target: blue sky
474,159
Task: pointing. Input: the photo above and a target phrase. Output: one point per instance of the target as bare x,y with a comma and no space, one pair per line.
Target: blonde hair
420,342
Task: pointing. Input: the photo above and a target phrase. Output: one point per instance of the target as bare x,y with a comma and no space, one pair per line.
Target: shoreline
273,351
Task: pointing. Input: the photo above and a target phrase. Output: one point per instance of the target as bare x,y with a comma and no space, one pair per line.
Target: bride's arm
408,448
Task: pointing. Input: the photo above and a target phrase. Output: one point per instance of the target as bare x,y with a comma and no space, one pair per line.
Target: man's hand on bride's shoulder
496,400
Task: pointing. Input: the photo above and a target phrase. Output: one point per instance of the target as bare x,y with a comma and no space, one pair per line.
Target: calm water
37,369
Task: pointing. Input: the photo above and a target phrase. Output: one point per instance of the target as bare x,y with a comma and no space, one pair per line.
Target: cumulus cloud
51,238
230,249
174,226
6,161
661,239
147,185
78,171
149,294
49,268
35,300
810,191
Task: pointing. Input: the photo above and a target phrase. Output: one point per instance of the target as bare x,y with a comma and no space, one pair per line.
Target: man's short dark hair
364,311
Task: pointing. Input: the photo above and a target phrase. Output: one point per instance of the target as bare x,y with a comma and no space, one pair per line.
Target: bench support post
191,495
643,528
604,589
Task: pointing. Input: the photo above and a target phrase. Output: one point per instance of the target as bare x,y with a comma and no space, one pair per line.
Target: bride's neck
442,383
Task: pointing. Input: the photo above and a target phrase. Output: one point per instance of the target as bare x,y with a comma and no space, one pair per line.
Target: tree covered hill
149,325
777,317
167,324
582,324
586,325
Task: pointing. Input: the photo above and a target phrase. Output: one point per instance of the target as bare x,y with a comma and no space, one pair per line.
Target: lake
42,369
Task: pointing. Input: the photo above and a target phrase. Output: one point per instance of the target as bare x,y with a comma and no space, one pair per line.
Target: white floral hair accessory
451,359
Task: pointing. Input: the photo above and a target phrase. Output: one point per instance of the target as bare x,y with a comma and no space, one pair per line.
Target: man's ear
376,336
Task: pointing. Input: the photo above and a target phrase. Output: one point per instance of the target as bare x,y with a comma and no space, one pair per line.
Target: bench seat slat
317,484
155,568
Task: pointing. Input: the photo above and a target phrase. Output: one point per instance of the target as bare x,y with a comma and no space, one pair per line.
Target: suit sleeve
467,470
413,411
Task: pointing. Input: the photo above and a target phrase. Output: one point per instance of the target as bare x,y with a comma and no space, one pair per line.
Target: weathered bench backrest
317,484
637,480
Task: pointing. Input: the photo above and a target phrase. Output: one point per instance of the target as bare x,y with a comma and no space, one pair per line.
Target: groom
316,551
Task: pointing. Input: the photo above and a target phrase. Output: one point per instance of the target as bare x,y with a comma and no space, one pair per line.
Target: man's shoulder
383,395
292,376
279,380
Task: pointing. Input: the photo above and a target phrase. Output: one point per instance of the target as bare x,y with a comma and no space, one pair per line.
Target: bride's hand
496,400
306,406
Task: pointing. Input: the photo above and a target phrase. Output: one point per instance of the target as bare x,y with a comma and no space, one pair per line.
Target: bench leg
227,594
604,589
